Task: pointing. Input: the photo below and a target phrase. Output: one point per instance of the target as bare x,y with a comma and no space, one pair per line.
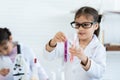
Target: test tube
65,51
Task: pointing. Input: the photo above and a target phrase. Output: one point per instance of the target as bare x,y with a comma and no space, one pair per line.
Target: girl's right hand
4,71
59,37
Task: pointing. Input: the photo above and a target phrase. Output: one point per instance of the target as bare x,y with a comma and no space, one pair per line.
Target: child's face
86,33
6,47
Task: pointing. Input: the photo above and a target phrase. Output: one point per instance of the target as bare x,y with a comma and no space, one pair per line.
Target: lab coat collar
94,42
91,46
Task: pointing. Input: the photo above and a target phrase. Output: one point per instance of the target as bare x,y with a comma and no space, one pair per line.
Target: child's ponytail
98,30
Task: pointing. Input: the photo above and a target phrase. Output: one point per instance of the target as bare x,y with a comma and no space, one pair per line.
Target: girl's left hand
77,52
4,71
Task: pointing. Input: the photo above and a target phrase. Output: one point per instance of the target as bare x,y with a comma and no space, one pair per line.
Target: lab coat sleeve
41,72
2,77
56,53
98,63
1,61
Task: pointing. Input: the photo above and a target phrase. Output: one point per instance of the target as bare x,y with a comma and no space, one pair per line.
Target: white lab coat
5,62
74,71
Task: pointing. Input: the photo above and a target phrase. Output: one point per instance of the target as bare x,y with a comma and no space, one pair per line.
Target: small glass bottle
35,71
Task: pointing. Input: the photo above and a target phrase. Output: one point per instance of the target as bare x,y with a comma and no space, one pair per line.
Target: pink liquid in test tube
74,44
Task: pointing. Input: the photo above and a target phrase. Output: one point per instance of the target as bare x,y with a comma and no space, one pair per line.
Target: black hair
89,11
4,34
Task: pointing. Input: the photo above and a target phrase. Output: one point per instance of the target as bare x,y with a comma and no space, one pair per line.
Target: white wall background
34,22
111,26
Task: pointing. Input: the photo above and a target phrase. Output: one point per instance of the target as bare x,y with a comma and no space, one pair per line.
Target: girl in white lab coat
8,53
86,58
